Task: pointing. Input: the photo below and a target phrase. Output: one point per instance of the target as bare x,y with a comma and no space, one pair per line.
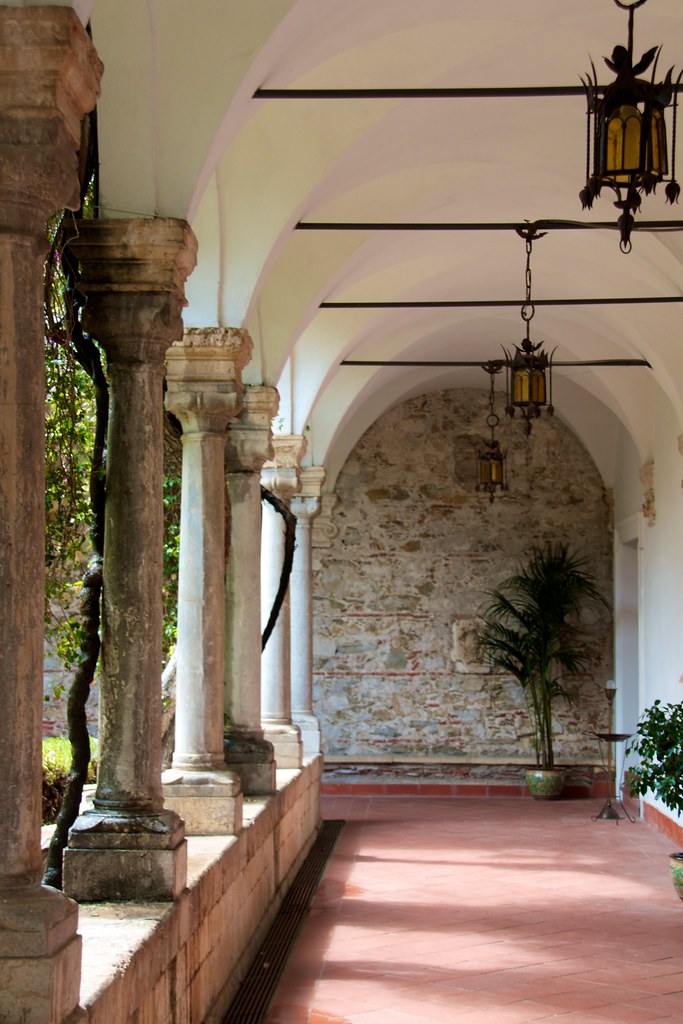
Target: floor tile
483,910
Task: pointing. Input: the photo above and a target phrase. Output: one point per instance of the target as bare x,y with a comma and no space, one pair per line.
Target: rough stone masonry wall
396,595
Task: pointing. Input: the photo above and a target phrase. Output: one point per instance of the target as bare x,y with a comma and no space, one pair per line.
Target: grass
56,765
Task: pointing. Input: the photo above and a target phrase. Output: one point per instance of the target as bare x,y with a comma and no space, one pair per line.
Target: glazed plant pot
546,783
676,872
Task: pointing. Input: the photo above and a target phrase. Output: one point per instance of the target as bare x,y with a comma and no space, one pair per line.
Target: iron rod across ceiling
626,300
484,92
542,225
426,93
483,362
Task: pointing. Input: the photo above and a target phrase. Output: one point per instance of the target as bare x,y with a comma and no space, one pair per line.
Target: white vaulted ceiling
182,135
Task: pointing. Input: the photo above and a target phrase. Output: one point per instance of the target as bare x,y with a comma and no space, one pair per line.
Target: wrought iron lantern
529,370
626,147
491,458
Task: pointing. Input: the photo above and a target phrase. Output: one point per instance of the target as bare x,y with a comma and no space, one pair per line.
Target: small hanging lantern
626,132
529,371
491,458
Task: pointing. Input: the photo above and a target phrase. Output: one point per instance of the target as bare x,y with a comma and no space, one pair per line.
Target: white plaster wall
663,567
396,596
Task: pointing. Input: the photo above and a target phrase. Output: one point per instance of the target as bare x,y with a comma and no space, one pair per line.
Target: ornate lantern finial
626,148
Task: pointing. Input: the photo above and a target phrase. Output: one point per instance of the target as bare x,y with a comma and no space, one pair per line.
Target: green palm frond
532,628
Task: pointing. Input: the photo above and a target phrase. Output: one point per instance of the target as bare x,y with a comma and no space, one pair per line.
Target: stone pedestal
281,476
50,79
248,445
204,393
128,846
305,506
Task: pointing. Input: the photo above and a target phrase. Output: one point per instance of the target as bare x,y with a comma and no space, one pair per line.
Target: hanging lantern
529,371
491,458
626,146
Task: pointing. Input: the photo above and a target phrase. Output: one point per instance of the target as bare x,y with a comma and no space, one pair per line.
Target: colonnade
233,720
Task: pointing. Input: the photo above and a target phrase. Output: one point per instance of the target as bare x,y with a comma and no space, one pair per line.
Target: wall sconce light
529,370
491,458
626,146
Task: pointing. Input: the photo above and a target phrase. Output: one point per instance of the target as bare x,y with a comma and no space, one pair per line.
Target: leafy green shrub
56,764
659,745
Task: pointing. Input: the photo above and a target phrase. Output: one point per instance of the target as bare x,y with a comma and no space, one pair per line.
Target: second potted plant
659,745
532,629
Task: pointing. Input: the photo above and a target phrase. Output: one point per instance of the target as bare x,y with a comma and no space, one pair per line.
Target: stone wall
415,546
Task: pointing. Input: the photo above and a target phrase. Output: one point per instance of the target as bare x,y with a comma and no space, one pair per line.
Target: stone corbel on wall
647,479
324,528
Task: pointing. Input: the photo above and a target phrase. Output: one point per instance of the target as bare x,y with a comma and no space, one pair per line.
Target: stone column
128,846
204,391
248,445
305,506
281,476
50,79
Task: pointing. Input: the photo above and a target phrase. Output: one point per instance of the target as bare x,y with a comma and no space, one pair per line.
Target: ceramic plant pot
545,783
676,872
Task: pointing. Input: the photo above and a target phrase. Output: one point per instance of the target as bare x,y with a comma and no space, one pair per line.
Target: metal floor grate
258,988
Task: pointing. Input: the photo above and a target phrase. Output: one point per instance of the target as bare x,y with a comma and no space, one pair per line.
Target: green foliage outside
69,433
171,557
56,765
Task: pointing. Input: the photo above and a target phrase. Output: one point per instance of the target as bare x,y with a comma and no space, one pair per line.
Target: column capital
281,473
249,440
133,273
312,480
305,509
204,377
307,503
50,79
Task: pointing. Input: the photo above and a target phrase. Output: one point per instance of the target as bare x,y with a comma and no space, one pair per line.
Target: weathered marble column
128,846
281,476
247,447
305,506
50,79
204,392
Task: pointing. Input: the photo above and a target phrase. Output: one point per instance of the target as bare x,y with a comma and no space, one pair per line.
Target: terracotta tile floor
487,911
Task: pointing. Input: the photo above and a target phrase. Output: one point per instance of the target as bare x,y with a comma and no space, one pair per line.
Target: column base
209,802
286,740
139,857
40,955
309,727
253,758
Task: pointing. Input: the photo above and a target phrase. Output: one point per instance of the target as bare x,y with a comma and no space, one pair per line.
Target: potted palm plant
658,742
532,628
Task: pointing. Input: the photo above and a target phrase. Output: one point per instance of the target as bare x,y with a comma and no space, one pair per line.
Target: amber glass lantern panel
622,154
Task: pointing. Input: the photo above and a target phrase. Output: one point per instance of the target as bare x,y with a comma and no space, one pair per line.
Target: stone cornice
222,343
249,441
289,449
49,80
312,479
49,66
134,272
155,254
260,405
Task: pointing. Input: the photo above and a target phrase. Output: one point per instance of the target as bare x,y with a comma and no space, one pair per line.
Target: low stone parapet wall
158,963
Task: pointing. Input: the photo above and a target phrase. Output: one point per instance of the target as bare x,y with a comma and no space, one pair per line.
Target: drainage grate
258,988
